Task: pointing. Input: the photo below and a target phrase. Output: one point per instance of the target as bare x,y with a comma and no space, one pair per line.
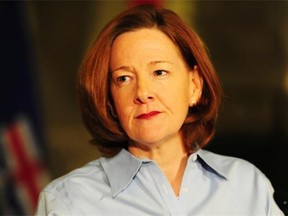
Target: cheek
122,105
119,105
179,94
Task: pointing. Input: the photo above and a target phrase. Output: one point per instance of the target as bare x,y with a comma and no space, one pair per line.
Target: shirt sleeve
48,204
273,209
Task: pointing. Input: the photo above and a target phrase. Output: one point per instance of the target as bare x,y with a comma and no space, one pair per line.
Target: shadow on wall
248,44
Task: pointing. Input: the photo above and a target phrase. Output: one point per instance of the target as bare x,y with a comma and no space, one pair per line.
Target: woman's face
152,87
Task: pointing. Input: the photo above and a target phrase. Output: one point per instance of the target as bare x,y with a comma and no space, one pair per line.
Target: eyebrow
127,68
158,62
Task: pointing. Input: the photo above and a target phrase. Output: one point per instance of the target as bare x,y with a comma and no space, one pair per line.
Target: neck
171,157
162,152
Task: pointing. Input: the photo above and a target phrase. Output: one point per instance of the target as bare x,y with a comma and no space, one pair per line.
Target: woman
150,97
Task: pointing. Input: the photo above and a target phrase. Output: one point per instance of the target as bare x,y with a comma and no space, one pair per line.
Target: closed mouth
148,115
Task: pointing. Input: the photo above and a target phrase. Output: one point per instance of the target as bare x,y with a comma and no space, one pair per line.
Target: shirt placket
165,190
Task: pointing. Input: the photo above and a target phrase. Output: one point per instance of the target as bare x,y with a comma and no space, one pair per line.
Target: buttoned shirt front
124,185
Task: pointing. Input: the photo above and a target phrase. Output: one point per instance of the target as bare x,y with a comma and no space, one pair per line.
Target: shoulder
91,172
241,176
232,167
242,182
70,192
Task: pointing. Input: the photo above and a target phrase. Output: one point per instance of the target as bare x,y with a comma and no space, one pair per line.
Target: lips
148,115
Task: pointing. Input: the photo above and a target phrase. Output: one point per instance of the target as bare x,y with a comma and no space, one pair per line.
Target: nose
144,93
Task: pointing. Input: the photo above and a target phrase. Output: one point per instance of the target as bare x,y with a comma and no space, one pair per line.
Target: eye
122,80
160,72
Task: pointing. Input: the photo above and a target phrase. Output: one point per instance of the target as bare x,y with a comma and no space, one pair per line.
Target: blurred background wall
248,43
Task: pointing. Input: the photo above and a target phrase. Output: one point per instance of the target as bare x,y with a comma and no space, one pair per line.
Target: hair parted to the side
94,79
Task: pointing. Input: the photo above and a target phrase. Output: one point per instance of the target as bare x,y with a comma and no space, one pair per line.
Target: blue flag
22,169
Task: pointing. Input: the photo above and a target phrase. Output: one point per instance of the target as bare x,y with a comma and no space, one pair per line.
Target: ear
195,86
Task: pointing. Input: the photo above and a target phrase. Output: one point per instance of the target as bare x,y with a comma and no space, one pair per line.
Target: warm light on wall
286,82
186,10
285,43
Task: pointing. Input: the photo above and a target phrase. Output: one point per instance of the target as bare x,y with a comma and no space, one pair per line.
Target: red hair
94,79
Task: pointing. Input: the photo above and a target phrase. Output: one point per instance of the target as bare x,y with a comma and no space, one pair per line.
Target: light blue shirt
124,185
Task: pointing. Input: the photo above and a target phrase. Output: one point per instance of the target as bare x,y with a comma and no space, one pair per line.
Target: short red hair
94,79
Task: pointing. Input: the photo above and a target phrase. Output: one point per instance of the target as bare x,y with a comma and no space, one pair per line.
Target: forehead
142,34
144,41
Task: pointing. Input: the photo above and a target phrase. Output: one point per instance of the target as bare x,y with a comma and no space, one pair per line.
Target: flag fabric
23,172
22,169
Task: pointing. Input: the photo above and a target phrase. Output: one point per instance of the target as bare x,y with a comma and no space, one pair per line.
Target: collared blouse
125,185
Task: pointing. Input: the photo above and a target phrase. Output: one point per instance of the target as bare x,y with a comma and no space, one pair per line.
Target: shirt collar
212,162
122,168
